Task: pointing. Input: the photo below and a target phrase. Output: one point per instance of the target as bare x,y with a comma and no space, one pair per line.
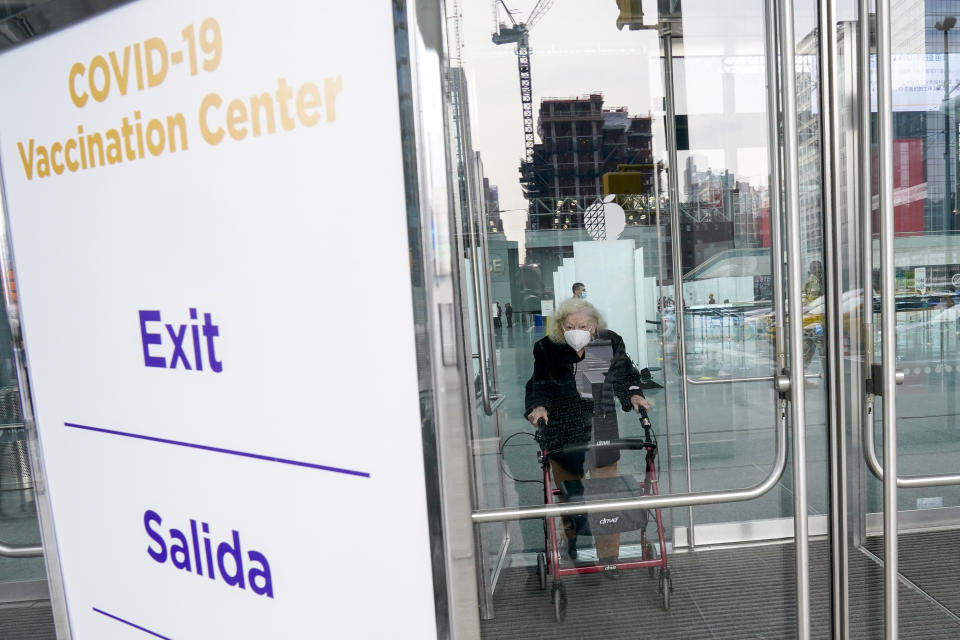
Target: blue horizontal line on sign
204,447
127,622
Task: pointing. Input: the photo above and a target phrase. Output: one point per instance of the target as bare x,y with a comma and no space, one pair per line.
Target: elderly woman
552,395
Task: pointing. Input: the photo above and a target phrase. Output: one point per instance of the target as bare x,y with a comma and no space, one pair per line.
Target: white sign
229,425
920,279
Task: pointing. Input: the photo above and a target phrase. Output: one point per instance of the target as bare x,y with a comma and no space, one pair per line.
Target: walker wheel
650,554
559,601
542,569
665,587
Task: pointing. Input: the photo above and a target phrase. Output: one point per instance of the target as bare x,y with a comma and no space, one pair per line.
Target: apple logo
605,220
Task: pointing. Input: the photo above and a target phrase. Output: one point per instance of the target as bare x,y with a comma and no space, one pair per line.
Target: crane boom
526,96
538,12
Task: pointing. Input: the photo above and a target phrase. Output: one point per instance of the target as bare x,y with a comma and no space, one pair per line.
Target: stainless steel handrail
776,190
870,454
744,379
487,286
865,197
694,381
791,190
888,319
20,551
497,401
650,502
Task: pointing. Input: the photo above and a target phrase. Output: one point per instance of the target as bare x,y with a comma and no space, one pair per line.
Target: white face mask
577,338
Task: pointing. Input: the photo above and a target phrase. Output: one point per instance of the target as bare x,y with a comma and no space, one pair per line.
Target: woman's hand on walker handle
638,401
535,416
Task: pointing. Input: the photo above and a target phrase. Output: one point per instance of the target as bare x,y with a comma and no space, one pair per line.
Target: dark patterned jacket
553,386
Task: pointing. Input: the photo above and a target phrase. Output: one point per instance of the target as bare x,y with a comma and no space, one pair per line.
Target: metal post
865,201
662,306
791,190
947,209
674,194
830,154
945,25
776,243
888,319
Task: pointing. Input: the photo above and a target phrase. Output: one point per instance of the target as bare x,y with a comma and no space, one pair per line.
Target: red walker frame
548,561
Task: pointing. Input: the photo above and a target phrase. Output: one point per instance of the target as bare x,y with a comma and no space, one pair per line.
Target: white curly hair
568,307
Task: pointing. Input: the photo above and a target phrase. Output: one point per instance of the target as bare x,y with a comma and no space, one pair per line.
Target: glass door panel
567,117
927,262
723,165
924,227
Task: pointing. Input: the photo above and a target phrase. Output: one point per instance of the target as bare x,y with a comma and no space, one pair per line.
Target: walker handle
647,425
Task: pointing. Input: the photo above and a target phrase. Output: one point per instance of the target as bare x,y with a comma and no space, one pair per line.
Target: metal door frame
783,382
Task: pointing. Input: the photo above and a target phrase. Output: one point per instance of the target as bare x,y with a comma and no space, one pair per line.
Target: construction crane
519,33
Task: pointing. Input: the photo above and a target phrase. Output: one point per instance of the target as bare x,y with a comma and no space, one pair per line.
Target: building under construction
586,152
580,143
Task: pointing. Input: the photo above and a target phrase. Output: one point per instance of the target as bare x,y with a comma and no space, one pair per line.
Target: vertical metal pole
773,133
866,202
947,208
674,190
830,155
888,319
791,181
776,198
666,405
